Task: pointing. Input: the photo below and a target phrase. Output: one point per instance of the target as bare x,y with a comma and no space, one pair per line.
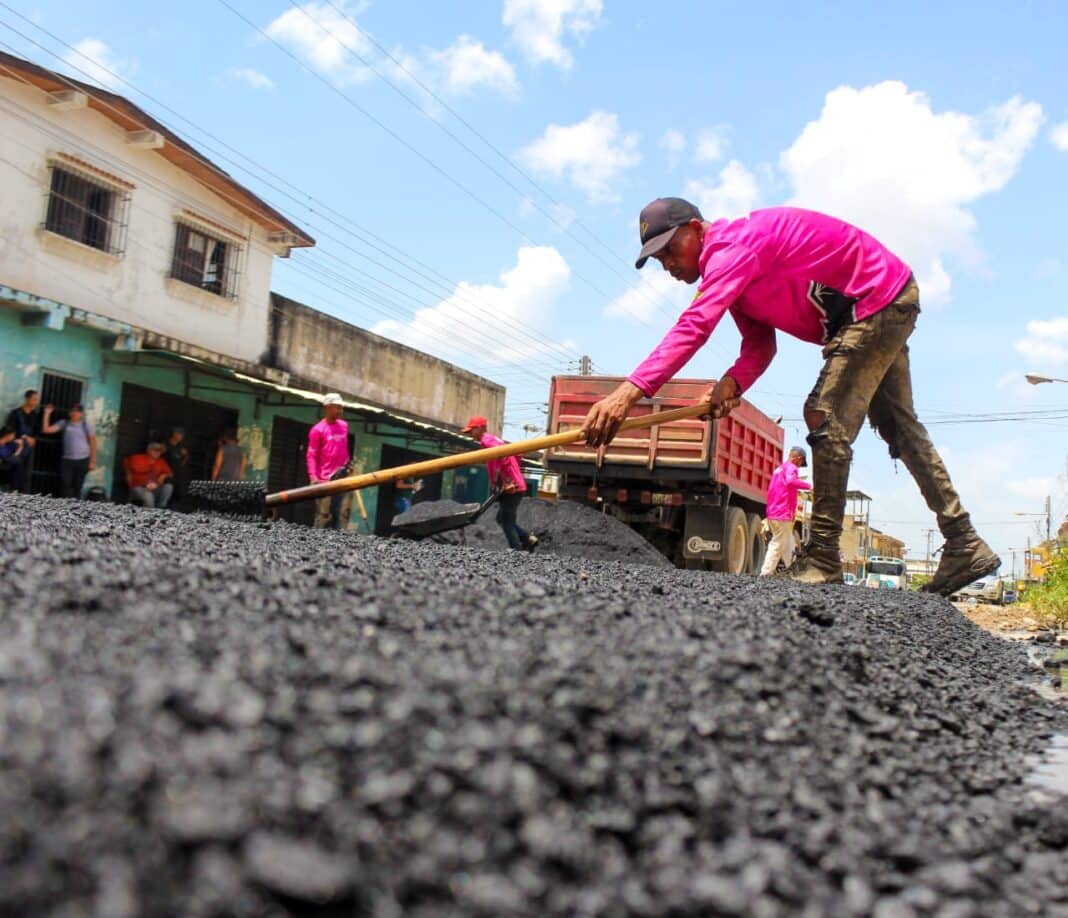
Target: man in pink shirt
507,480
782,509
328,458
829,283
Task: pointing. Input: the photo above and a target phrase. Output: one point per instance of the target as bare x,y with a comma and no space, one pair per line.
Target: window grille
205,261
87,211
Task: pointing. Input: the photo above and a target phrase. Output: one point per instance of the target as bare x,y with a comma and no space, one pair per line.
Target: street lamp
1045,513
1013,552
1036,379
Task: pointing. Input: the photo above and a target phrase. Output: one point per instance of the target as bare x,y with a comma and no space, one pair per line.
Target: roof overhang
145,132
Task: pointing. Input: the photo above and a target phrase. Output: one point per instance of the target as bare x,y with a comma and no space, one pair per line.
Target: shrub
1050,599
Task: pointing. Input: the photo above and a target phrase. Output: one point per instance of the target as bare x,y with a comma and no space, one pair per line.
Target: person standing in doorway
328,459
177,456
78,458
782,510
230,459
23,421
507,482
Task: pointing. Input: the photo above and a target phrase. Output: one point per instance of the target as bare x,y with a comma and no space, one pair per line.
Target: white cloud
539,27
526,294
1046,342
733,193
711,145
325,39
1058,135
882,158
592,154
466,64
250,77
640,302
329,39
674,142
97,63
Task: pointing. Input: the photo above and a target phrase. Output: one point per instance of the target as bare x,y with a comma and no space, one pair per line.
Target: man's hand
30,441
151,486
92,465
48,409
602,423
723,397
509,487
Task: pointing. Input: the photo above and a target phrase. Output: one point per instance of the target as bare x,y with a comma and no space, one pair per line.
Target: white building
107,211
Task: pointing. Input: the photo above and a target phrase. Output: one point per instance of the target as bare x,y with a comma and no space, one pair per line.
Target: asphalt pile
204,716
563,528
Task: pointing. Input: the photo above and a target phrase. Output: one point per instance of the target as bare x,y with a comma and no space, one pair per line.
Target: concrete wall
348,359
133,287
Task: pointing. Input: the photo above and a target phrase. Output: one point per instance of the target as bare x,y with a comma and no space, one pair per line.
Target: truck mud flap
704,533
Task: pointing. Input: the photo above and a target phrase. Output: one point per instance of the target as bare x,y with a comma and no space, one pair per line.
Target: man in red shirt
148,477
507,479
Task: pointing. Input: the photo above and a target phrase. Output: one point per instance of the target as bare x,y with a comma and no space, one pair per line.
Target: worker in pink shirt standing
782,509
506,480
328,459
829,283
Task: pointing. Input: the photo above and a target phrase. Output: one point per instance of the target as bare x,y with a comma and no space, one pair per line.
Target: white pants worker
781,547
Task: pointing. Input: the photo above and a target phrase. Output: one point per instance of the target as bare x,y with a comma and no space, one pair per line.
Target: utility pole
1047,521
927,561
585,366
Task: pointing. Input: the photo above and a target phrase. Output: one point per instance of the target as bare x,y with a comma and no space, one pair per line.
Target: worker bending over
506,480
829,283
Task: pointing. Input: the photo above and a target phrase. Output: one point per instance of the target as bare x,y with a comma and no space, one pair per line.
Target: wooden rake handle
474,457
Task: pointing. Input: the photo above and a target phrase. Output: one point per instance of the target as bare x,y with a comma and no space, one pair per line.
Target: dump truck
696,490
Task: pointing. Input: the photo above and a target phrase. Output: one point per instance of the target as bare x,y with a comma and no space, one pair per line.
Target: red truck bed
748,444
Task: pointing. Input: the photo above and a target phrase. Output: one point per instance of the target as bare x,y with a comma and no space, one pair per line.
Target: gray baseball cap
658,222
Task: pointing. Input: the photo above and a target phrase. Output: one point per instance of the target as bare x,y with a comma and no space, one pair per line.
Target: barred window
86,211
205,261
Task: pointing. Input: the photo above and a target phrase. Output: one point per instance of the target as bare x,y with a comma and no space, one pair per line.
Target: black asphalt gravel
201,716
563,528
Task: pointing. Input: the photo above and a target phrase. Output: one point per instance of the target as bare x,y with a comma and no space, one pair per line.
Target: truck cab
696,490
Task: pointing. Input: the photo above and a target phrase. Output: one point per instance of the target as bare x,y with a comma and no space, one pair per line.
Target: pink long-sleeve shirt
328,449
507,468
785,269
782,491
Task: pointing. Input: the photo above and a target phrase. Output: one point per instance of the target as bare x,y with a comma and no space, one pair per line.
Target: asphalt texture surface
201,716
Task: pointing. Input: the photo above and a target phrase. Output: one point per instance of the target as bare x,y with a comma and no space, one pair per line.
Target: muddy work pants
866,372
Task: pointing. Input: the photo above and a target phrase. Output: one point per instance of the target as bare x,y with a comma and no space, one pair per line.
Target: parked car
987,589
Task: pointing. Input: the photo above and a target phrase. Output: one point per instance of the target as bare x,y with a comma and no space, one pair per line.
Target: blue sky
938,127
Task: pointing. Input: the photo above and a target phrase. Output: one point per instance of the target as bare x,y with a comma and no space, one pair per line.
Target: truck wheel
757,546
735,544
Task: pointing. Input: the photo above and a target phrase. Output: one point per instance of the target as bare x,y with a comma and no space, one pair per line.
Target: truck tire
735,544
757,545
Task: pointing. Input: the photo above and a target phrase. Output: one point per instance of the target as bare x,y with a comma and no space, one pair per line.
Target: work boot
965,558
817,565
821,561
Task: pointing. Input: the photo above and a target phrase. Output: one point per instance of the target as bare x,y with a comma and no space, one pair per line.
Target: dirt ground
999,619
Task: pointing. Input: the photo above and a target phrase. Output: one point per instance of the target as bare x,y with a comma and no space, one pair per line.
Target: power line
123,166
437,98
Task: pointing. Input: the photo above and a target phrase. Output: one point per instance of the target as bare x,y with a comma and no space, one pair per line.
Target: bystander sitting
148,477
79,448
12,449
